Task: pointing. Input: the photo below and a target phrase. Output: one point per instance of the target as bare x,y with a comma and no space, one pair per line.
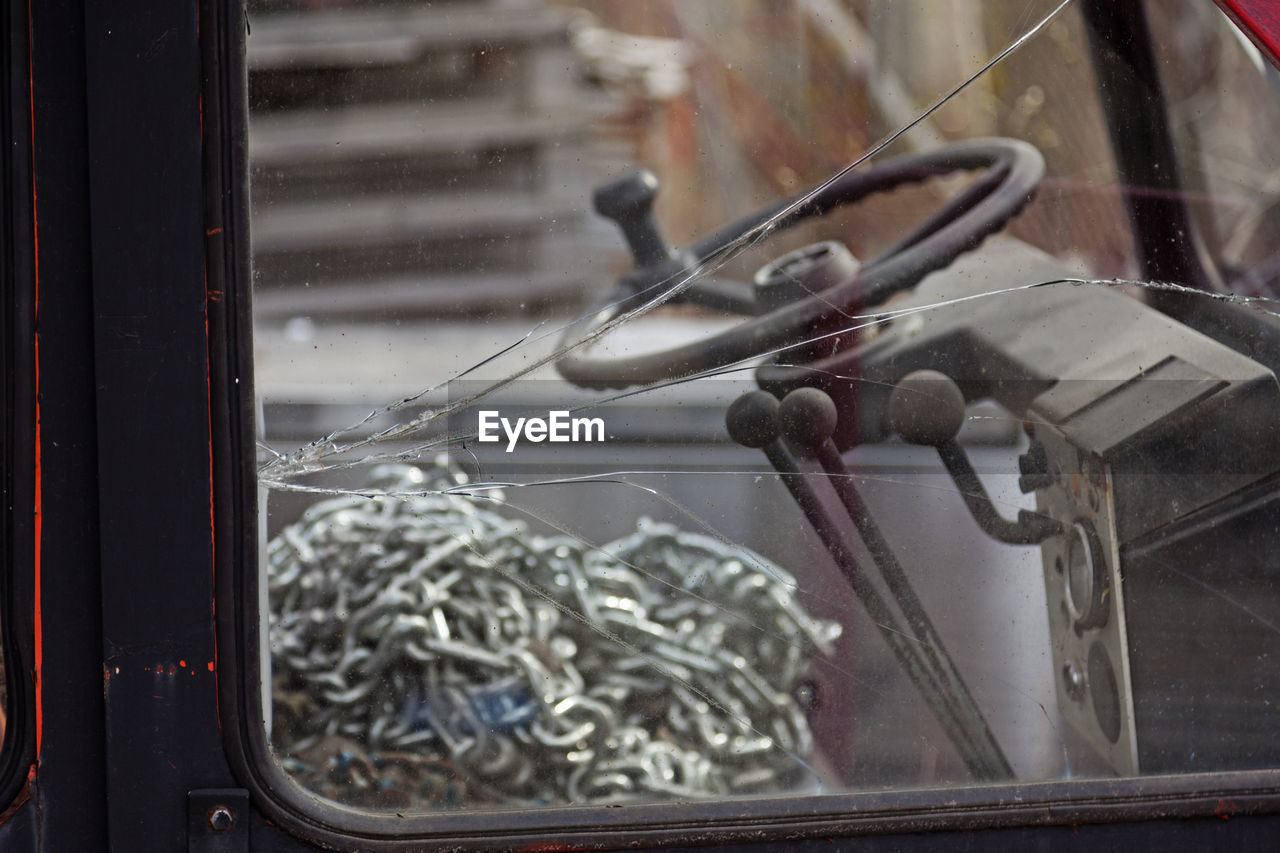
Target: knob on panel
1087,582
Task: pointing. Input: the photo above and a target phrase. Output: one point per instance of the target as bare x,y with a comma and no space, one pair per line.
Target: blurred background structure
435,158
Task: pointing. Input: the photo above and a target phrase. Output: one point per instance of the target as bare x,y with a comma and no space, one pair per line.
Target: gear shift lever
927,408
807,418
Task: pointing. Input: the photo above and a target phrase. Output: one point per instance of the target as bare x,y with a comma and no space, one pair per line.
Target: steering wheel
1010,171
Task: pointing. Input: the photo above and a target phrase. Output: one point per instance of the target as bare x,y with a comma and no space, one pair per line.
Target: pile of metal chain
428,651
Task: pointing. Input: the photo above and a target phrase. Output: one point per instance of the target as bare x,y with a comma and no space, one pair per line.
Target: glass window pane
907,426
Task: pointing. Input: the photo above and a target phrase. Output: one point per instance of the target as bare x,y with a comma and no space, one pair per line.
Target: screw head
1073,680
220,818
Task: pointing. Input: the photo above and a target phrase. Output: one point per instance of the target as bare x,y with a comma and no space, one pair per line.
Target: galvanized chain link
421,640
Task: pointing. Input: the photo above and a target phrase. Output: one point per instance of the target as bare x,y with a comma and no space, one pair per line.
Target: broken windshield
677,402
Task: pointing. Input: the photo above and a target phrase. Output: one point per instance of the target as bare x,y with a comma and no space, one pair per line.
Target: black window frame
18,433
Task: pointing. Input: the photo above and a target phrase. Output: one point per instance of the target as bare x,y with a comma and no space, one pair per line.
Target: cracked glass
678,402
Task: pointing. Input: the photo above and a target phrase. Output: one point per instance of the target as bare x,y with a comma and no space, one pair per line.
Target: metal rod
988,748
753,421
1029,529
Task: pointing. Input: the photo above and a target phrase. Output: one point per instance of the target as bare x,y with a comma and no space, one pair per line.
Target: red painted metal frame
1260,21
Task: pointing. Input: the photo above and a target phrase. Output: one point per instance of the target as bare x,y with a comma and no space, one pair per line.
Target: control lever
927,408
628,202
757,420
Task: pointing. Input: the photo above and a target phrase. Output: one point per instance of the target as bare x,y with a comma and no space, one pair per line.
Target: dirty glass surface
863,449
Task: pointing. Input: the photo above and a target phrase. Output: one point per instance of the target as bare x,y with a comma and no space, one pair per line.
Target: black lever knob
926,407
628,201
807,418
752,419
